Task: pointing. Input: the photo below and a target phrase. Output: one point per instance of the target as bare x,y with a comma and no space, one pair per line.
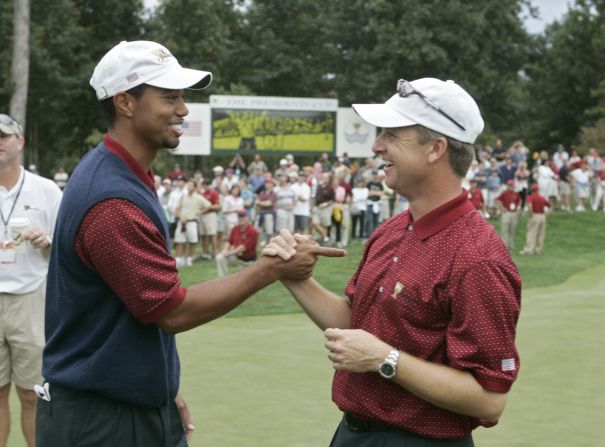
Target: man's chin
171,144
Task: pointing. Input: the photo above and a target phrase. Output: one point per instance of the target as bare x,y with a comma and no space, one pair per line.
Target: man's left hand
355,350
37,238
188,427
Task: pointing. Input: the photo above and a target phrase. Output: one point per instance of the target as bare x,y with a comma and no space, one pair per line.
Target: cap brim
8,130
181,78
381,115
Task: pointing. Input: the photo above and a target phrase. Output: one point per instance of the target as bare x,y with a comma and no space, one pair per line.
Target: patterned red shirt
537,203
443,289
119,241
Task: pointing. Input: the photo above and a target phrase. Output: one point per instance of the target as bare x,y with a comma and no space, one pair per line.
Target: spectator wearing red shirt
177,172
509,203
475,196
538,207
209,221
114,267
424,347
240,248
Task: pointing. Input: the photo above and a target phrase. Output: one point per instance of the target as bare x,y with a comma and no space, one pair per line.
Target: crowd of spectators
338,200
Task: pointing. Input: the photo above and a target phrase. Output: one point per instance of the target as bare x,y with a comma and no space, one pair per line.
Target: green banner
273,130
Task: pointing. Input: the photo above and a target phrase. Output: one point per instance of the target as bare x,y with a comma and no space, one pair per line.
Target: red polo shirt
116,237
248,237
443,289
476,197
537,203
510,200
211,196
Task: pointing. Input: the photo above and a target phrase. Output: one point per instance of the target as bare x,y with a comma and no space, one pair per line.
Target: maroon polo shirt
510,200
443,289
116,236
246,236
537,203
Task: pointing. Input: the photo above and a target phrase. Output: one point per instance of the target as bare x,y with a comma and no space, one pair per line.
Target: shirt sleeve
124,247
485,308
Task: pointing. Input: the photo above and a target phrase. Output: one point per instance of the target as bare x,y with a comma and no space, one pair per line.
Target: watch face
387,370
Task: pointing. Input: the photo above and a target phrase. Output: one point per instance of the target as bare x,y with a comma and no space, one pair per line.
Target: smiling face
405,159
158,115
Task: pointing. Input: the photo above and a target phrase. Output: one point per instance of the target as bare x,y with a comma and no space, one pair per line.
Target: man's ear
124,104
438,150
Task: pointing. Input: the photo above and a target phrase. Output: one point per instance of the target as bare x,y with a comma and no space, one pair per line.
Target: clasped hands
298,254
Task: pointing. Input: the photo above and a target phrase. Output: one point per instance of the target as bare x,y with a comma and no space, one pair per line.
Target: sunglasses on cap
12,123
405,89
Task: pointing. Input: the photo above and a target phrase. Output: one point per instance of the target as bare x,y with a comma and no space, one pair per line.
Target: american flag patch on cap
508,364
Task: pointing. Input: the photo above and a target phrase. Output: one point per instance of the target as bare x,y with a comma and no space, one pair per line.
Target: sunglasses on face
405,89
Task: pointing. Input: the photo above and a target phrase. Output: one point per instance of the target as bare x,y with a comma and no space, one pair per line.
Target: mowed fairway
265,381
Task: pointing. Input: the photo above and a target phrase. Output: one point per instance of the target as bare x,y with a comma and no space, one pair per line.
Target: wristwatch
388,367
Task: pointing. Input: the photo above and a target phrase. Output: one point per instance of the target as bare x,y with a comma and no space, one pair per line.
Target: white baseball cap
130,64
442,106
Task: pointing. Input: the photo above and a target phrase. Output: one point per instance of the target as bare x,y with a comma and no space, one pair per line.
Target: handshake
293,256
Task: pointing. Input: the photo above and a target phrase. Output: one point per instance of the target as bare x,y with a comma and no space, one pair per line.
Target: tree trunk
20,61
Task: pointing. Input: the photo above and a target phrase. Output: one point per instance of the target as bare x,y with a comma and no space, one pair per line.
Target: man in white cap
28,211
114,300
424,346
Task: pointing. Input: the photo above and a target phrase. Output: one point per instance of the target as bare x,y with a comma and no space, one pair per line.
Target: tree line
545,89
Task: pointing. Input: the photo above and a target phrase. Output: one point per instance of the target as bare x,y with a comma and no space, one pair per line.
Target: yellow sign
273,130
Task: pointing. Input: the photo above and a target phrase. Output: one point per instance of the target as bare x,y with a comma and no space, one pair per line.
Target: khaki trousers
509,227
536,230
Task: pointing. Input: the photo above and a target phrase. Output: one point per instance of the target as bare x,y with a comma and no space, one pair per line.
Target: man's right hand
298,254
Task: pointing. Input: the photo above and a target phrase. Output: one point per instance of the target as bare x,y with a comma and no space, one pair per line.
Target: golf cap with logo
130,64
9,126
441,106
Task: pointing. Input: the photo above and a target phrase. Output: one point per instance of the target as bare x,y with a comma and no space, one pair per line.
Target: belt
357,424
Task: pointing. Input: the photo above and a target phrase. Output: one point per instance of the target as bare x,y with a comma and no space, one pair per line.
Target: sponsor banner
196,131
353,135
272,130
272,103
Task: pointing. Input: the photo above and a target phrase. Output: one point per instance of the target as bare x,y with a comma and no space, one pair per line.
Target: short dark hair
109,110
460,155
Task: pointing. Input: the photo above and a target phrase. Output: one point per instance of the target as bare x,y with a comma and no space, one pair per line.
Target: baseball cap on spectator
283,162
441,106
10,126
510,182
289,157
218,169
242,213
130,64
166,181
535,187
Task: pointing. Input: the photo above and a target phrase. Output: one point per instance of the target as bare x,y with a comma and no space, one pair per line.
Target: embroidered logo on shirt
398,289
508,365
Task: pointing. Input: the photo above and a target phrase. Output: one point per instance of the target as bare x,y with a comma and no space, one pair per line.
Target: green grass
263,379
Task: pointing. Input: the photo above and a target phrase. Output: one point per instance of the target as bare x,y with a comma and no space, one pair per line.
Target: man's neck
139,151
435,194
9,176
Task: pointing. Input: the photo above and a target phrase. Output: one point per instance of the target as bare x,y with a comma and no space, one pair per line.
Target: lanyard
7,220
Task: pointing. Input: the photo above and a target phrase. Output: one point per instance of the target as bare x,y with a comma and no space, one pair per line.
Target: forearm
448,388
210,299
325,308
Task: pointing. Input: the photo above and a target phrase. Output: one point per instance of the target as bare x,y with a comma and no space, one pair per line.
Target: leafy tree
565,72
